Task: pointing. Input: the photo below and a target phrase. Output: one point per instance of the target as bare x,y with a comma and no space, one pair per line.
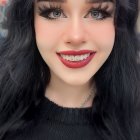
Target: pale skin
73,29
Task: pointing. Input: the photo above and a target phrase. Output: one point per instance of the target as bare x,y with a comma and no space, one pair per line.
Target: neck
69,95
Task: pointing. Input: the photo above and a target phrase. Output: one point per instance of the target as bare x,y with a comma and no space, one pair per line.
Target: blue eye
55,12
51,13
96,14
99,14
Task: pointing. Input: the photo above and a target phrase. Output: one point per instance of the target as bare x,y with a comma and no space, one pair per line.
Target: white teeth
75,57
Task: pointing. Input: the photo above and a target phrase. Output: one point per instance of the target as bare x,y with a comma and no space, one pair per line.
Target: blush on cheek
104,34
47,31
107,36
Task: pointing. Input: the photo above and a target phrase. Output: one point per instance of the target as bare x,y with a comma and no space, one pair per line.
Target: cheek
46,33
103,36
107,35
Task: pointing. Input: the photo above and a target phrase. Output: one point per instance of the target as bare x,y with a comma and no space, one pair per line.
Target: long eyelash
100,7
46,10
107,13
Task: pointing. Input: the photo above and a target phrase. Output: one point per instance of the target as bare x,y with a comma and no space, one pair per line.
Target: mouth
76,59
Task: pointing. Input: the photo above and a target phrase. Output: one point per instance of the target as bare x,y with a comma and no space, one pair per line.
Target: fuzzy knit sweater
54,122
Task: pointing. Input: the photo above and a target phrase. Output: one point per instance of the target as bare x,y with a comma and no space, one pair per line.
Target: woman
68,71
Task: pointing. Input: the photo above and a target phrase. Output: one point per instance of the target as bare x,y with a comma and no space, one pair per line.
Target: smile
76,59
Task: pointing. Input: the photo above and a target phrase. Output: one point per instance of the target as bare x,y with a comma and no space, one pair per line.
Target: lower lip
76,64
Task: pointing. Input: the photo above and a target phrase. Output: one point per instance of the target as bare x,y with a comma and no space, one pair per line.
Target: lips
75,52
76,59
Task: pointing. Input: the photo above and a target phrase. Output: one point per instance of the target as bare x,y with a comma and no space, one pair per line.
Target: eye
98,14
51,13
55,13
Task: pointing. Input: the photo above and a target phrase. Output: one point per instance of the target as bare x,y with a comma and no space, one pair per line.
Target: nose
75,34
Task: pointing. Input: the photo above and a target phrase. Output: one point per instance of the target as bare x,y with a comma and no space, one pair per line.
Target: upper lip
73,52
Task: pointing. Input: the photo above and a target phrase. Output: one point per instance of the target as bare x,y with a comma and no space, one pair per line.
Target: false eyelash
44,7
99,7
104,11
46,10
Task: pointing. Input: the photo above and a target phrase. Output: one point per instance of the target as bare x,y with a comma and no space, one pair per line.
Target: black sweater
54,122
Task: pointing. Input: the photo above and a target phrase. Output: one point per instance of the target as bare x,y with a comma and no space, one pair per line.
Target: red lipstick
79,63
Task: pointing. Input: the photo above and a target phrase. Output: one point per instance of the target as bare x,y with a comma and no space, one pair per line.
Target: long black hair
24,75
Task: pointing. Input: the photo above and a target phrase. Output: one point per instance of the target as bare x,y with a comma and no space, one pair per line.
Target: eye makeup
100,12
47,11
55,11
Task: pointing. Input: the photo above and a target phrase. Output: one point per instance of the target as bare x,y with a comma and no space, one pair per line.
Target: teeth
75,57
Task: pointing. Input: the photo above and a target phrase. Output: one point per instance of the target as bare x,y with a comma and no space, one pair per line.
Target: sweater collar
54,112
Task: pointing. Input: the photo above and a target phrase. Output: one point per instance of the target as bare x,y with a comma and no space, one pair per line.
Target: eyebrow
87,1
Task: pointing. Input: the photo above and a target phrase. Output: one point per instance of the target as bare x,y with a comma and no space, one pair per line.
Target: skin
69,87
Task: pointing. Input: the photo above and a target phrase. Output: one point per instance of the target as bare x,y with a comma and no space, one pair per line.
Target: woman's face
74,37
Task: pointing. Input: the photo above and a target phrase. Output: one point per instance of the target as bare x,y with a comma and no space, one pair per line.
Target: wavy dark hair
24,75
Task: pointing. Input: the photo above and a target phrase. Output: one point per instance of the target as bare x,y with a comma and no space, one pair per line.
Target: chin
77,81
